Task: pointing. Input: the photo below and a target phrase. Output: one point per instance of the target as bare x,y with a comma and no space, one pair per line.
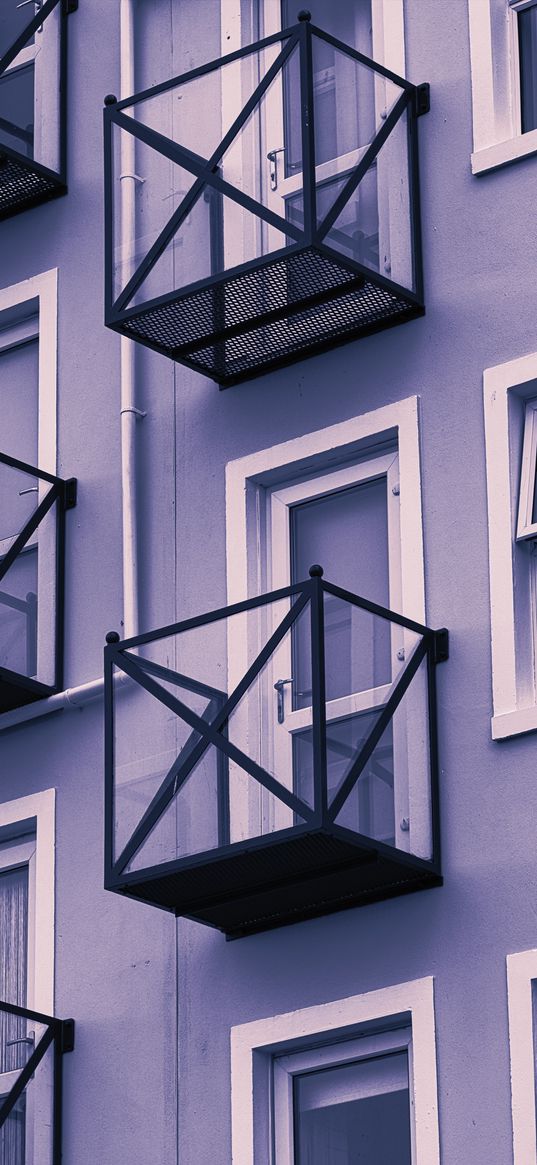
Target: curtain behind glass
13,980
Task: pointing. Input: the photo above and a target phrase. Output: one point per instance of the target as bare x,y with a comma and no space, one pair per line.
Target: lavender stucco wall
154,1001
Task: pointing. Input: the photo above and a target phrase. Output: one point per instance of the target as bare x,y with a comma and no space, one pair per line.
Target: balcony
290,223
32,1047
273,760
33,79
32,549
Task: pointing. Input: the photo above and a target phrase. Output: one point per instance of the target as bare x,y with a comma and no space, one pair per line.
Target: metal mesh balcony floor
269,315
22,186
289,880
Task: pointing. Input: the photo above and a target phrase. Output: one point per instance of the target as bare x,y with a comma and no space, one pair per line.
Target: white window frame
521,972
514,688
260,1041
498,139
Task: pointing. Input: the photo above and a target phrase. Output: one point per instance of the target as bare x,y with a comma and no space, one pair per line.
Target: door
348,521
19,495
351,101
29,89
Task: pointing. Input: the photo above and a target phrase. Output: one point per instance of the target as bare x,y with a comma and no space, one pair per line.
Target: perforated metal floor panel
269,315
22,187
282,883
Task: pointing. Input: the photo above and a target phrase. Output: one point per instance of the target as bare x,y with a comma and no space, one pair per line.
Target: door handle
278,687
29,1039
272,157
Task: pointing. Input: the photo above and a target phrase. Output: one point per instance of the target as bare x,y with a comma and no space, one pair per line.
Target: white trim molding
521,972
43,289
35,815
507,387
248,477
495,87
340,1019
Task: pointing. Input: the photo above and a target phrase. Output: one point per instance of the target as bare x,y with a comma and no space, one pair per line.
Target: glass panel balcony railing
273,760
31,1054
33,76
285,223
32,505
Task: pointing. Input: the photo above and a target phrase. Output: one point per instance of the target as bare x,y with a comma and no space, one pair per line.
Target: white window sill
502,153
514,723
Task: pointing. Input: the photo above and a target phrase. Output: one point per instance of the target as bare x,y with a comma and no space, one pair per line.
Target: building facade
322,275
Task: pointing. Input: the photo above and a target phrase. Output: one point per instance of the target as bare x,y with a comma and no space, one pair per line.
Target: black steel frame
413,98
62,494
60,1033
432,647
54,181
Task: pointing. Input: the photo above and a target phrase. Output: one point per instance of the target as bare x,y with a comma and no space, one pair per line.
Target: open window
33,42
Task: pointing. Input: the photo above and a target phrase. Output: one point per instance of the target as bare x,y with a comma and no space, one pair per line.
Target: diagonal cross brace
207,173
390,706
210,734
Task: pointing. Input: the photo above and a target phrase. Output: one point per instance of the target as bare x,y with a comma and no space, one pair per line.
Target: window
527,505
522,1005
510,393
28,644
345,1103
26,965
29,89
347,497
347,1082
503,49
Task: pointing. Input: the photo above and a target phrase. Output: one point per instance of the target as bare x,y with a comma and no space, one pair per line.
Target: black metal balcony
273,760
33,79
239,244
32,551
32,1047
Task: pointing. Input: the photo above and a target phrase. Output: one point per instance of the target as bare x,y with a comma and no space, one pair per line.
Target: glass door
348,521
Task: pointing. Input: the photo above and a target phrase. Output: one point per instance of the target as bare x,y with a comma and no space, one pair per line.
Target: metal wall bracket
423,98
441,645
67,1036
70,6
70,493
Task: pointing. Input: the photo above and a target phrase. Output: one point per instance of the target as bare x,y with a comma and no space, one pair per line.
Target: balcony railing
283,225
273,760
32,550
33,78
32,1047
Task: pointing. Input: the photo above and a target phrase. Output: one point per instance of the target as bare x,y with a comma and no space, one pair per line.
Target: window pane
355,1114
527,48
18,404
347,532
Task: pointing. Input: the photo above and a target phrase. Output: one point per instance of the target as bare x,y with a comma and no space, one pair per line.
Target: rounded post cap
110,99
112,637
316,571
304,14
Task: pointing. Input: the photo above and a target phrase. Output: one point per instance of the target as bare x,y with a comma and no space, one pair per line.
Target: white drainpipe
129,414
